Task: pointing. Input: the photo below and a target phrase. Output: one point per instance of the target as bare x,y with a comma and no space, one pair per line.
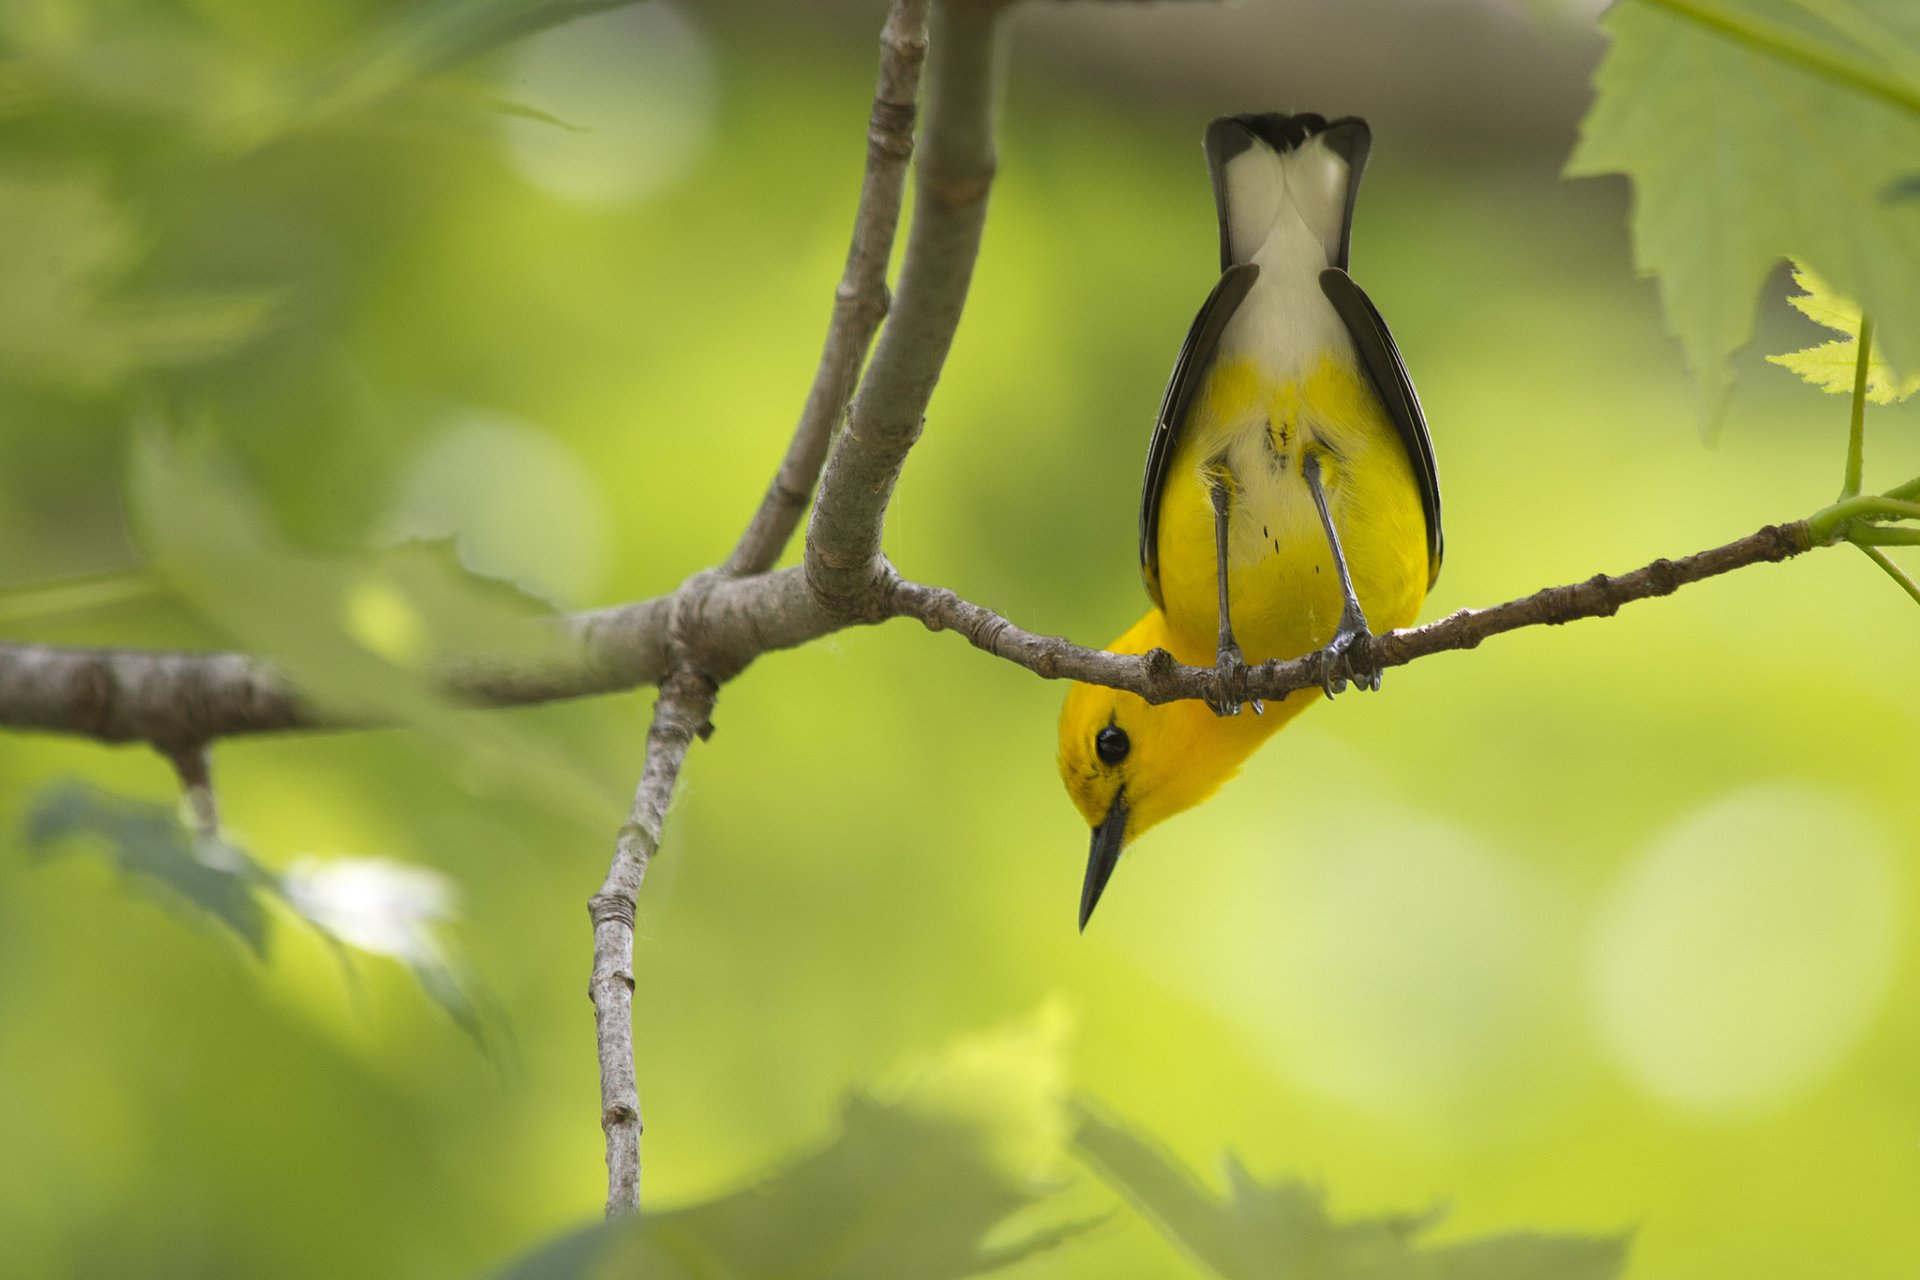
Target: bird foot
1230,672
1336,659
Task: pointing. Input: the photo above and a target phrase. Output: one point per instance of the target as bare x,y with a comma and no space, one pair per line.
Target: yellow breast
1285,594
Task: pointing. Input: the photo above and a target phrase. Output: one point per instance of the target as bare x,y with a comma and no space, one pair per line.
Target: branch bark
122,695
844,567
1156,677
193,765
860,303
686,700
933,291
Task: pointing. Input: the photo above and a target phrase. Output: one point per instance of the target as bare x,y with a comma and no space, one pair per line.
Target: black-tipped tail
1279,135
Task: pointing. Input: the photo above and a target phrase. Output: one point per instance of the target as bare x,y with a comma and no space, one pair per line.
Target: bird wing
1389,374
1189,372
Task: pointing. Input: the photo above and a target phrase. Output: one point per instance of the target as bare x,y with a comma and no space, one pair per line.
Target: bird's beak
1108,838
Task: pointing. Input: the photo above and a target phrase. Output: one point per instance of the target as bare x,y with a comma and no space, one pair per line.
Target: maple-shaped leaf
1282,1230
1748,127
1832,366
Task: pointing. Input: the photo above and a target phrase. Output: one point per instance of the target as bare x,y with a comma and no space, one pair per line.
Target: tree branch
140,695
1156,677
121,695
686,700
860,303
844,567
193,765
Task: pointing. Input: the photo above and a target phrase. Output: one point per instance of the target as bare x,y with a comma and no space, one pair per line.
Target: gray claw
1231,669
1336,661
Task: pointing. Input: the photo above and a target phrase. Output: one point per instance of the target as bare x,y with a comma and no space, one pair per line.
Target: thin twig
1157,677
1894,571
193,765
686,700
860,303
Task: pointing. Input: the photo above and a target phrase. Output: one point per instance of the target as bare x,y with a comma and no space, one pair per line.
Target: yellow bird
1290,499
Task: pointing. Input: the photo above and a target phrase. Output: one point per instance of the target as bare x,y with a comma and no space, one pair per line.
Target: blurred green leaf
459,998
157,855
1740,155
73,596
433,35
359,631
362,634
65,320
360,914
1281,1231
900,1192
207,78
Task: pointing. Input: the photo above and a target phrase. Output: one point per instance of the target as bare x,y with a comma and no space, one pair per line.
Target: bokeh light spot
1387,968
523,506
386,622
1745,954
378,905
635,92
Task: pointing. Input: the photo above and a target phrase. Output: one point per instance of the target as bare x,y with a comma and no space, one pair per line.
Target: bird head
1129,764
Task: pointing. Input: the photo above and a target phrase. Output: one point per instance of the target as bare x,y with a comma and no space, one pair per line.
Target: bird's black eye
1111,745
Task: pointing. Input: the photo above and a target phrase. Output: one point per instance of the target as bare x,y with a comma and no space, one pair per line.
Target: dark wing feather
1189,371
1389,373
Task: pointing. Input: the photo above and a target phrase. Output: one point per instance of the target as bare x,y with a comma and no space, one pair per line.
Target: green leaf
1754,129
1281,1230
1832,366
202,76
432,35
66,319
222,883
157,855
935,1184
897,1193
363,634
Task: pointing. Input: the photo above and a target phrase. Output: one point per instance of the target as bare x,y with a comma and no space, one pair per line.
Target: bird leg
1336,656
1229,665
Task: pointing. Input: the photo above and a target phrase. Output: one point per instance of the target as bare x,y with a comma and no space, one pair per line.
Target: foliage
152,849
1833,365
895,1193
1757,128
916,1184
362,631
1282,1231
376,908
66,319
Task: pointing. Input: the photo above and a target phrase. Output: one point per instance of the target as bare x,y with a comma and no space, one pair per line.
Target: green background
1596,929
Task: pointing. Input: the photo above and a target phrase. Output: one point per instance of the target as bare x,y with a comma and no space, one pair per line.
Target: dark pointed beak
1108,838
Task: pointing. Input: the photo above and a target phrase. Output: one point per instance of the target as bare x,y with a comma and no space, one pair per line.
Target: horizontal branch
172,699
122,695
1157,677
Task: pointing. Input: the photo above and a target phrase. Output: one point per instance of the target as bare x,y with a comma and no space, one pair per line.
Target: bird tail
1268,167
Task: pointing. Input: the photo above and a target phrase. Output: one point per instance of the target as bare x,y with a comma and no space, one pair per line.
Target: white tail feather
1282,207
